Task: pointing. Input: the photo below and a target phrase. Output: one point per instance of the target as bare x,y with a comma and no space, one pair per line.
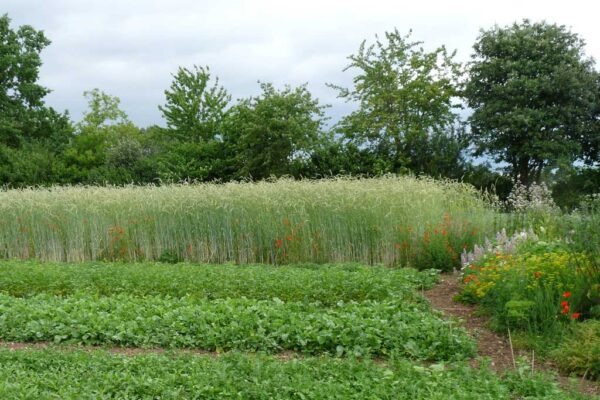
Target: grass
400,221
50,374
324,283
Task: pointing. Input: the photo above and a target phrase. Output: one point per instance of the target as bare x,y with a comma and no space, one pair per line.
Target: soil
491,344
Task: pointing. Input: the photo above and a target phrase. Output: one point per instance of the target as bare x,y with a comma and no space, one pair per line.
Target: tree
194,110
104,110
23,116
31,134
107,145
275,132
406,100
532,93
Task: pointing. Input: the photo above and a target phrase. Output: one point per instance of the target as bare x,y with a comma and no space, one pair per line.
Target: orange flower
286,221
575,315
537,274
278,243
289,238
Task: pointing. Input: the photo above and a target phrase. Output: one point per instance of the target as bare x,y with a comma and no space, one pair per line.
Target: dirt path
489,343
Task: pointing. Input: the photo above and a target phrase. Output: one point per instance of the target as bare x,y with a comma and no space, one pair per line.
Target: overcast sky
129,48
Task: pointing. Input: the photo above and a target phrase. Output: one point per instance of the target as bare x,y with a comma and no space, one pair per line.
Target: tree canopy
533,93
407,98
23,114
273,132
194,109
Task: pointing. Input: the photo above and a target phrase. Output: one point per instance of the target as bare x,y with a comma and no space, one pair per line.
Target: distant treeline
534,96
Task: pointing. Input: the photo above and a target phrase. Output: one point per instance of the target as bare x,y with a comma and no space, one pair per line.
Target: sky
130,48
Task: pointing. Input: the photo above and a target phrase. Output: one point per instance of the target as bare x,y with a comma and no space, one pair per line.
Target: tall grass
401,221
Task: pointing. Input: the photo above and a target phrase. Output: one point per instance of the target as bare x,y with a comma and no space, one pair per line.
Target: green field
362,322
333,331
117,293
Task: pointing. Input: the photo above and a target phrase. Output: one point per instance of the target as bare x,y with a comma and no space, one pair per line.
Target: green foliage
532,92
406,105
370,221
549,293
53,374
194,111
527,291
571,186
326,284
274,132
31,134
580,352
107,146
368,328
20,95
103,111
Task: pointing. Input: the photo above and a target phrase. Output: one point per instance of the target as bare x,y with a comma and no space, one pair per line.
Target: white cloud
130,48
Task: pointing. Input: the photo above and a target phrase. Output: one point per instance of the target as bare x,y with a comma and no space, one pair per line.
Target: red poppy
575,315
278,243
537,274
565,310
289,238
564,303
567,294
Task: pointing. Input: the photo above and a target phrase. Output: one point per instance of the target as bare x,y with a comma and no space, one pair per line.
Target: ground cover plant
324,283
400,221
51,373
389,317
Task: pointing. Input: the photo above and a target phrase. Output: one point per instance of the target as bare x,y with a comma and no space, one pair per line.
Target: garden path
489,343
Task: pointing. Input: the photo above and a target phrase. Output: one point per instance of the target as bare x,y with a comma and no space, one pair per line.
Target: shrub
580,353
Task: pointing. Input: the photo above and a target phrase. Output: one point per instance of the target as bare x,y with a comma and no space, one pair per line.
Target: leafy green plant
325,283
368,328
51,373
580,352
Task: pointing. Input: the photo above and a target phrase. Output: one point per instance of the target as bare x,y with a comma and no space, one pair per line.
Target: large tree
195,108
407,101
23,116
274,133
532,91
